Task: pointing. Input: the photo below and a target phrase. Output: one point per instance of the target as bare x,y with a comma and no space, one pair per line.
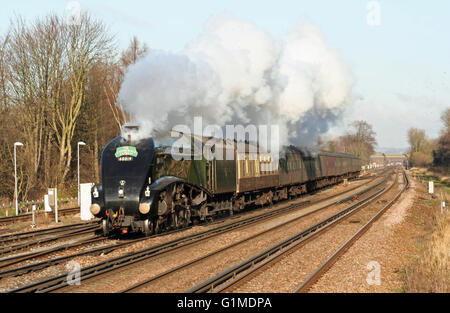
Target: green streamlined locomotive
149,188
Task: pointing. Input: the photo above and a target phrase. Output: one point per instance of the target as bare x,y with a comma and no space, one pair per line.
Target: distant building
381,159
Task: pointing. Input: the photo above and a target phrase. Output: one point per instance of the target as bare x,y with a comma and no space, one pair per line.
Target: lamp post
80,143
15,174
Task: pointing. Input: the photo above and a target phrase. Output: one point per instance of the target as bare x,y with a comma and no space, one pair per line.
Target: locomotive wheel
106,227
148,227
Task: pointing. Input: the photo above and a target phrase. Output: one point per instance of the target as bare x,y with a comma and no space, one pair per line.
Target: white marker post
431,187
46,204
85,201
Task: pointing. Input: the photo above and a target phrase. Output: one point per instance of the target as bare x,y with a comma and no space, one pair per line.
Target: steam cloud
235,73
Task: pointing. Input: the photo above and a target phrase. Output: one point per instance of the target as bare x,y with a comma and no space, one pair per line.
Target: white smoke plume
235,73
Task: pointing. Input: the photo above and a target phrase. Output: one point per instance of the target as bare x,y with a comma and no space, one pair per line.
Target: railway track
7,239
56,283
134,257
14,260
325,266
162,279
32,239
106,249
153,283
28,216
250,270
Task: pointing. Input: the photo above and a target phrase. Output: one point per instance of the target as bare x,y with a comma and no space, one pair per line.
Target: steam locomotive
149,187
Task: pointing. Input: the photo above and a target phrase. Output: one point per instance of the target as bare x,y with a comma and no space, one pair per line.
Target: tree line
359,140
425,152
58,86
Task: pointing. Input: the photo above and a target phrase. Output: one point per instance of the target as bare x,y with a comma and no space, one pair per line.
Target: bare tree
421,148
87,43
360,140
3,73
417,139
134,51
445,117
111,90
441,153
95,125
33,61
58,84
364,137
130,56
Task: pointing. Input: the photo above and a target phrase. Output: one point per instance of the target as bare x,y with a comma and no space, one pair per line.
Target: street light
80,143
15,174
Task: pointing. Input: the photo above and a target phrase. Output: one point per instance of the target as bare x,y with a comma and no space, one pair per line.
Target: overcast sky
401,65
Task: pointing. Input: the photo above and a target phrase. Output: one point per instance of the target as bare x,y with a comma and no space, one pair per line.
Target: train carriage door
225,173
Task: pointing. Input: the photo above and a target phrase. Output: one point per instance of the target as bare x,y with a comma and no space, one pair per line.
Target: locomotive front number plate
126,151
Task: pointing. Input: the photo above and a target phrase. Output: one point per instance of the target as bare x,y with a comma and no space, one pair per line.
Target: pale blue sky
402,66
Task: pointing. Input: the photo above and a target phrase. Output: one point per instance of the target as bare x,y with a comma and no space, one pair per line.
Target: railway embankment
407,250
428,269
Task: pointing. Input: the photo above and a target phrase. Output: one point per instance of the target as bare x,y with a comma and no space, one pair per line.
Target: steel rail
211,254
17,258
59,281
23,237
141,284
40,265
325,266
28,216
71,233
39,232
248,266
224,248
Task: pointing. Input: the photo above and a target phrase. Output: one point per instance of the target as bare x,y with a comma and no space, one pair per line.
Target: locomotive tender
146,187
